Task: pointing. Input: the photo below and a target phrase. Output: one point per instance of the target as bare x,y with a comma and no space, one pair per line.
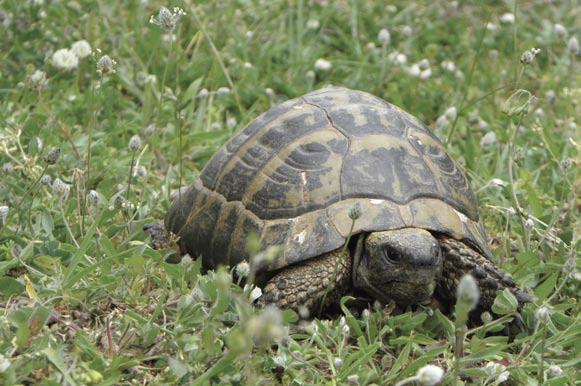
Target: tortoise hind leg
307,284
459,260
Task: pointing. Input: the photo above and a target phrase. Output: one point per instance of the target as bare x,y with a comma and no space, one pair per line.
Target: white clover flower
529,223
448,65
555,371
529,55
106,65
166,19
559,30
81,49
507,18
323,65
203,93
488,140
414,70
4,210
430,375
451,113
338,362
223,91
468,291
384,37
38,80
65,59
573,45
242,269
426,74
313,24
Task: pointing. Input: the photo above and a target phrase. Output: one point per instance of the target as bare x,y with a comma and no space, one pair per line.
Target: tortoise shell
292,175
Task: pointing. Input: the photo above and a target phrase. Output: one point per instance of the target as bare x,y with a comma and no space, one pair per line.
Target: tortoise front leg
307,284
459,260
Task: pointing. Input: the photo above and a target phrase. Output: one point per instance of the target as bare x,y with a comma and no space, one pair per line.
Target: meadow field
108,107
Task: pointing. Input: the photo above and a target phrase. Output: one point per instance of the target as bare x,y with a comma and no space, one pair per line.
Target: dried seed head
53,156
529,56
106,65
134,143
355,212
46,180
166,19
140,172
38,80
93,197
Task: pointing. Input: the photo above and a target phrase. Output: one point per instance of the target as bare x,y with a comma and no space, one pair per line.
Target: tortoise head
403,265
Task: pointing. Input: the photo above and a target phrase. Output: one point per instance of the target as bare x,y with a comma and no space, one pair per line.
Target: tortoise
332,165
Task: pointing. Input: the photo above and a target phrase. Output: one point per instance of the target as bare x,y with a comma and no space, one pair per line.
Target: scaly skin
459,260
305,284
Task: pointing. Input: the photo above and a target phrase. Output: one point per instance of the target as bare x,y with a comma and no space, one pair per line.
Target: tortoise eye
392,254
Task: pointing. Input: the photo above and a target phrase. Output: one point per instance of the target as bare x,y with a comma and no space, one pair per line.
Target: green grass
85,300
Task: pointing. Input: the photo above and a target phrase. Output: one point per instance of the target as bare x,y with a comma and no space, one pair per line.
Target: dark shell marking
292,175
